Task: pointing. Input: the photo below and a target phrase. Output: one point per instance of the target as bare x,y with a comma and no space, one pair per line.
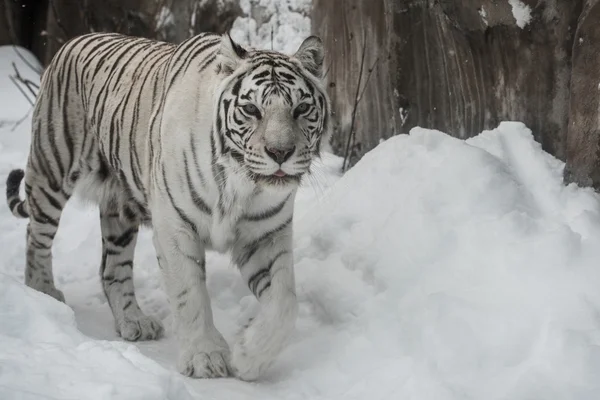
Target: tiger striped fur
206,142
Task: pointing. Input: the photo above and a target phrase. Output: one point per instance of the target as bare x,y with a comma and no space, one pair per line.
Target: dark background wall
460,66
440,64
44,25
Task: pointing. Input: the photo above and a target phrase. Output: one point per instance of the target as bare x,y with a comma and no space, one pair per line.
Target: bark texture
459,66
583,143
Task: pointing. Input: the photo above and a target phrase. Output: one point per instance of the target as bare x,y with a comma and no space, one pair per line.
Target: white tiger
206,142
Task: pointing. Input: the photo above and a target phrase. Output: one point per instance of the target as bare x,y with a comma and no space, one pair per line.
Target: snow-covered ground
434,269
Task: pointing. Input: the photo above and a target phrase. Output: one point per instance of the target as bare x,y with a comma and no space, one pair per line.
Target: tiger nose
279,155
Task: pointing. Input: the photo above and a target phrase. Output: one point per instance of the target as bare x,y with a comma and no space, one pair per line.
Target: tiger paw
57,294
205,359
248,367
140,328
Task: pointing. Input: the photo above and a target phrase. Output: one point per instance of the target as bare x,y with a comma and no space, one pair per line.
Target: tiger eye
302,107
250,108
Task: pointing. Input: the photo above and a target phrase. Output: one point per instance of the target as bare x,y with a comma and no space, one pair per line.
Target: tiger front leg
203,352
266,264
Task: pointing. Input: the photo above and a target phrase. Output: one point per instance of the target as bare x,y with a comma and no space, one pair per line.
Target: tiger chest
251,216
229,207
222,233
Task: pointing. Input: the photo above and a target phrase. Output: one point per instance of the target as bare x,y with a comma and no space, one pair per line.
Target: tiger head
272,112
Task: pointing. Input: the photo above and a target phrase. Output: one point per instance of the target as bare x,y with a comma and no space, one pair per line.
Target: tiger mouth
277,179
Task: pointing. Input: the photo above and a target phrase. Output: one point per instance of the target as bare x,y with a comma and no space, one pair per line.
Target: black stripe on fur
13,183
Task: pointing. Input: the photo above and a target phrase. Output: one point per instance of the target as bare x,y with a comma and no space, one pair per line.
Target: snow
165,18
521,12
280,25
43,355
436,268
483,15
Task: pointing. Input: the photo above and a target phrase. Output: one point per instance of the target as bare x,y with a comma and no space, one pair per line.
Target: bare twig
19,81
355,107
16,83
350,143
58,21
37,70
369,72
30,85
360,96
23,119
328,68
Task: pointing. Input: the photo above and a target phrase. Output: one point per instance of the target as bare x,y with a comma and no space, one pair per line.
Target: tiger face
272,111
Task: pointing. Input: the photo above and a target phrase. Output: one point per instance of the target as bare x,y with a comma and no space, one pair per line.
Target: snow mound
445,269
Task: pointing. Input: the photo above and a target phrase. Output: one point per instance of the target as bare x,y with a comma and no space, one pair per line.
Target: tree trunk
457,66
583,144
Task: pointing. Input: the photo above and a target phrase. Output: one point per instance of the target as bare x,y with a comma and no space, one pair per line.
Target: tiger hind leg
45,207
116,271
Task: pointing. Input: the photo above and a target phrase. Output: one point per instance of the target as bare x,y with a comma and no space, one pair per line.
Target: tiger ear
231,54
310,54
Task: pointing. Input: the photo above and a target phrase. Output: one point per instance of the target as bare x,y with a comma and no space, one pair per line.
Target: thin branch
369,73
37,70
329,64
19,81
26,81
16,83
57,20
23,119
355,108
360,96
30,85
